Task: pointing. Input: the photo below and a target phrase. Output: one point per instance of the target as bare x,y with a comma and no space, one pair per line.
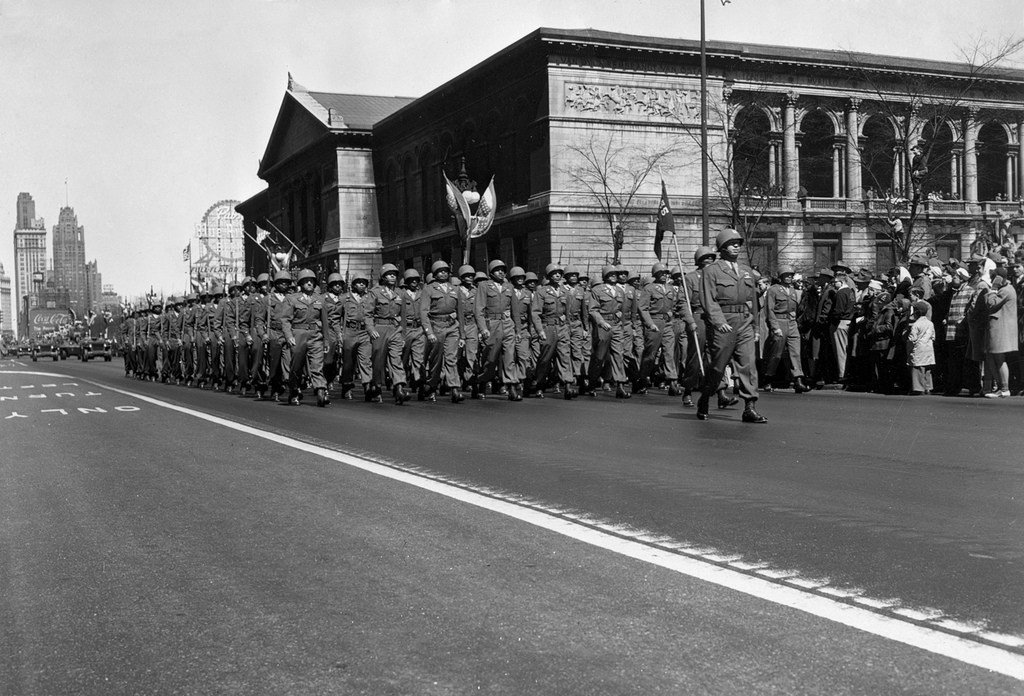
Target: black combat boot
750,415
457,397
702,406
295,398
725,401
321,398
621,391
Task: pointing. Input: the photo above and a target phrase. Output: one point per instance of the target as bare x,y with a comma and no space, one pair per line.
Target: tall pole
704,234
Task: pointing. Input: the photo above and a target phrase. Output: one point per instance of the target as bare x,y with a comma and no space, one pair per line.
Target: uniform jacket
494,300
411,315
722,286
524,299
276,306
353,311
605,303
780,305
335,308
549,305
438,300
657,301
381,305
302,312
258,316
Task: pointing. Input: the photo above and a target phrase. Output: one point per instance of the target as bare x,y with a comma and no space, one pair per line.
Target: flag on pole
261,234
666,223
186,253
484,217
458,205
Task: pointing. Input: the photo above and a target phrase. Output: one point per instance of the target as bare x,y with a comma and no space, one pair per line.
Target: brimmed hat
863,276
841,266
826,273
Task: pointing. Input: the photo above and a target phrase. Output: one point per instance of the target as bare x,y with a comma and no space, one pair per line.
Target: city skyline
157,134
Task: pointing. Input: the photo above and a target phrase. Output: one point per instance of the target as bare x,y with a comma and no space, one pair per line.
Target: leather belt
553,321
735,309
351,324
442,320
507,314
305,327
393,321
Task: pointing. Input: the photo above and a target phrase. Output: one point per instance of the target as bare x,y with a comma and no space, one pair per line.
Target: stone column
1009,176
954,174
791,176
773,165
1020,156
971,156
853,167
836,157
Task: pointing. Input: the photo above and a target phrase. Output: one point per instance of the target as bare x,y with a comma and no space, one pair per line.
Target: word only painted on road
70,411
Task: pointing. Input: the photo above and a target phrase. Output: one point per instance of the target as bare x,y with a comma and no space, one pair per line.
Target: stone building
815,155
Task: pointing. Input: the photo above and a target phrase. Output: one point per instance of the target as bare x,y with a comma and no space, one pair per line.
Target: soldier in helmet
259,332
605,304
303,319
383,316
244,335
202,347
781,306
188,339
278,347
225,324
439,305
531,283
550,322
630,319
695,362
414,338
216,332
468,330
522,355
128,341
576,315
152,341
729,296
657,302
355,341
497,317
170,330
334,329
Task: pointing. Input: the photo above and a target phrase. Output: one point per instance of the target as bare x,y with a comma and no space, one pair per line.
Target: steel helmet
218,289
172,300
658,268
262,278
411,273
786,270
361,275
551,268
247,280
388,268
609,270
335,278
495,265
234,284
675,272
466,270
633,275
532,277
440,265
727,235
571,271
702,253
306,274
429,279
284,276
480,275
516,272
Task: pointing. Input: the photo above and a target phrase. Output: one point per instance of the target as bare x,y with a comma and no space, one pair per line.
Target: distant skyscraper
93,287
6,318
69,260
29,257
217,251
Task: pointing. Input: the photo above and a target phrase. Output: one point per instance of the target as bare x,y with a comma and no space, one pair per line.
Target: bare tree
613,172
915,107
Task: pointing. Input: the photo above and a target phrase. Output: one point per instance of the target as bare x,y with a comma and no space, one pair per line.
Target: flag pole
686,295
277,229
704,234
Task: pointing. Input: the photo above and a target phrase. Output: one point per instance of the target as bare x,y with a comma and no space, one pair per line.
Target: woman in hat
1001,336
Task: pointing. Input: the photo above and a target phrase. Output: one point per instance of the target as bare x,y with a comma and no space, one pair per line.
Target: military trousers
242,357
696,363
414,350
554,350
579,351
307,355
333,360
356,349
443,360
215,366
280,359
607,347
682,337
229,352
188,357
499,348
202,357
128,353
788,343
171,367
523,355
630,359
259,375
662,337
469,354
387,355
152,353
739,348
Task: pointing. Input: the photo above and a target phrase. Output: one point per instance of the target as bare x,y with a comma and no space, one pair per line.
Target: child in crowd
921,350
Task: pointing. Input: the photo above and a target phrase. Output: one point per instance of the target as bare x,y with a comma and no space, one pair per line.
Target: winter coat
921,343
1002,319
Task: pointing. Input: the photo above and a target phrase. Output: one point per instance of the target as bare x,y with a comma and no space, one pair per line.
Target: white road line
922,637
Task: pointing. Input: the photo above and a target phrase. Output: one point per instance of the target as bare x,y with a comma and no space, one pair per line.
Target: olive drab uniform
657,304
468,331
496,313
522,351
382,312
128,328
170,330
550,321
355,342
333,336
781,306
575,312
225,326
682,325
278,347
152,343
259,375
414,337
692,372
439,305
188,342
729,295
605,304
630,334
303,318
243,339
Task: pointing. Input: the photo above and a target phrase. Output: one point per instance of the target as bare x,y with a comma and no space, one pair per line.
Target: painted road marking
924,630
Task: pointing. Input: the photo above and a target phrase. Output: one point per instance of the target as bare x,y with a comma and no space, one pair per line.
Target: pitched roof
358,111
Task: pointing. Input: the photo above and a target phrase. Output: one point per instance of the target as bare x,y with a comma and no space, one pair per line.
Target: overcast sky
153,110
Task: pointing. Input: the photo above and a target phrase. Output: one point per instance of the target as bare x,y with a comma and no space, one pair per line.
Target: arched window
937,147
391,203
409,197
991,149
750,157
816,148
429,192
878,157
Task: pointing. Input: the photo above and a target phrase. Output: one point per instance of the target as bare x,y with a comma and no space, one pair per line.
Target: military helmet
466,270
218,289
172,300
480,275
335,278
411,273
262,278
531,276
429,279
517,271
727,235
439,266
675,272
388,268
305,274
632,275
361,275
609,270
658,268
190,297
702,253
551,268
247,280
786,270
495,265
234,284
282,276
571,271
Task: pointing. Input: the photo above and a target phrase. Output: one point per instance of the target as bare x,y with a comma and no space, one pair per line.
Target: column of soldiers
505,332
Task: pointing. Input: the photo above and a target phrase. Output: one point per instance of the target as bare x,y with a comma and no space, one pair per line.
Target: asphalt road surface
162,540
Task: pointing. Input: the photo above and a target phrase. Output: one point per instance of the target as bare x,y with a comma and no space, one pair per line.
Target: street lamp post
467,187
704,234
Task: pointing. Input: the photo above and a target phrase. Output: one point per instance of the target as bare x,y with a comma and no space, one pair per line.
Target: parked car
44,349
96,348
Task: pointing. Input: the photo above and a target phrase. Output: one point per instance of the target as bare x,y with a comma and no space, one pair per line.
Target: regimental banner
679,105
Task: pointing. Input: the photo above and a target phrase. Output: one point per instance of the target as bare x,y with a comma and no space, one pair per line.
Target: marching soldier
729,296
657,302
439,307
333,330
468,330
521,351
415,339
356,348
259,336
548,311
303,318
383,316
694,363
278,346
605,304
576,315
152,335
225,327
244,335
532,283
496,318
188,340
781,304
128,329
170,331
216,337
632,334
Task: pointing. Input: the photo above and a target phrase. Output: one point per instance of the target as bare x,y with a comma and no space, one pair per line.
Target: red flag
666,223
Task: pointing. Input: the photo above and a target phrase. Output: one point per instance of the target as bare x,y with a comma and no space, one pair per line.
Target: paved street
149,550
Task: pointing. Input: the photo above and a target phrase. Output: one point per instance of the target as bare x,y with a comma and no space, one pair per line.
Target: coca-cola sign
48,320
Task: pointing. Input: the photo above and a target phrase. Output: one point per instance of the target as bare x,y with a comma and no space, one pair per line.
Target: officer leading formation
506,332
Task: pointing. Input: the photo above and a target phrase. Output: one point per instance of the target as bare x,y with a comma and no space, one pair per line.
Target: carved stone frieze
681,105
